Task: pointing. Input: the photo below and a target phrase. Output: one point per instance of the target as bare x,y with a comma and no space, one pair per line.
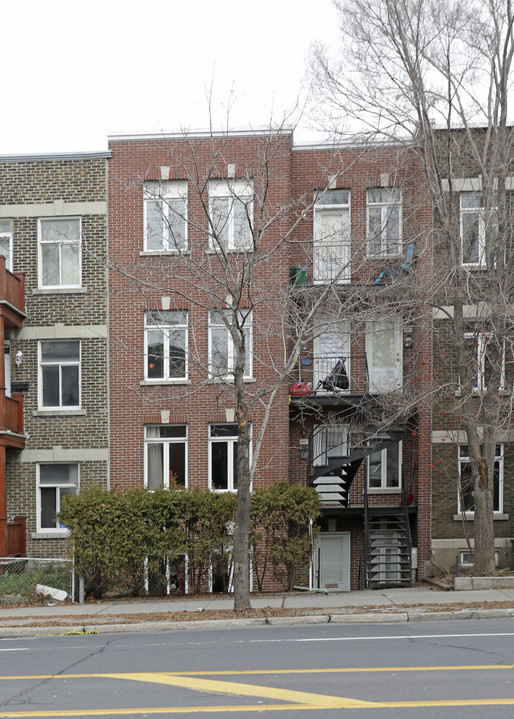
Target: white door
384,355
332,561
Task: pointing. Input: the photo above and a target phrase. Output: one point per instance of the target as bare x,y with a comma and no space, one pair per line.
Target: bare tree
437,76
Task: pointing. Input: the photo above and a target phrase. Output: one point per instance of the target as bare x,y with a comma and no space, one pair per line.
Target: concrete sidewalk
418,603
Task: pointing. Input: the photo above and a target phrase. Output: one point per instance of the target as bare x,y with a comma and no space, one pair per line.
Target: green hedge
118,538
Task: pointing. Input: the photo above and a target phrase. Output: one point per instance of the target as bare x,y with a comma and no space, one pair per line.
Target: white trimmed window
385,468
384,222
6,233
222,353
223,457
60,252
231,214
473,227
165,216
165,456
384,355
466,502
54,481
59,375
332,356
332,237
478,358
329,441
166,345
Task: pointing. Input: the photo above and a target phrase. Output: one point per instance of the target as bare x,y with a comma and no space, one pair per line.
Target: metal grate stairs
388,549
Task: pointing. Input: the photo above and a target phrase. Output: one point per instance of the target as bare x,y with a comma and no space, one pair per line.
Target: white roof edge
199,133
48,156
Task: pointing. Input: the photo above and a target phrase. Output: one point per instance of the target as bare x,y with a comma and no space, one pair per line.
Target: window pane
58,474
50,269
234,465
70,265
60,351
383,348
177,462
155,359
393,469
60,231
334,197
224,430
242,227
466,488
219,465
155,466
392,230
70,386
177,223
219,352
375,470
374,229
219,217
50,378
177,366
5,250
470,237
154,238
48,507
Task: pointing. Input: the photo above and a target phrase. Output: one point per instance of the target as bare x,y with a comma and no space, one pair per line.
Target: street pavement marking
293,700
250,690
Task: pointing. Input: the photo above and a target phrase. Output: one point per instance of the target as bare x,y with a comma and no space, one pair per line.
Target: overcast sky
74,72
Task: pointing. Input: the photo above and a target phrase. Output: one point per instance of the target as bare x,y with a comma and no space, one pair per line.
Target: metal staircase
387,548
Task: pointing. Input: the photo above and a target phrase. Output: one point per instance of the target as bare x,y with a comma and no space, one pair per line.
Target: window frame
386,207
465,212
166,329
241,191
482,339
322,451
7,235
230,440
499,458
58,530
213,326
381,378
71,363
326,206
384,470
338,333
41,243
167,190
165,442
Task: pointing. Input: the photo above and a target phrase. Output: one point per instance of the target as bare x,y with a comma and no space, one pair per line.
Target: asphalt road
433,669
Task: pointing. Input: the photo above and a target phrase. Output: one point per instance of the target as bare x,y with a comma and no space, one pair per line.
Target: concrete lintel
56,208
61,331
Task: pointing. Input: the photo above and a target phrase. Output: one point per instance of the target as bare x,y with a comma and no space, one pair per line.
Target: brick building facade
53,217
195,220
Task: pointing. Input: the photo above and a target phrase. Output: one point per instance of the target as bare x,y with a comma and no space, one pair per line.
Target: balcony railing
12,287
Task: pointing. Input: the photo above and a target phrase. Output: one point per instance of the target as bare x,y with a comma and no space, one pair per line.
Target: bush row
123,540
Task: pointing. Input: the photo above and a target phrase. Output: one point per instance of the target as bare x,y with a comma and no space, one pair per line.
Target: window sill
385,490
470,517
232,250
59,291
230,380
57,534
160,253
163,382
59,412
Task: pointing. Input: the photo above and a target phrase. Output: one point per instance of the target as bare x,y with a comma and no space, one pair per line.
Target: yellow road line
238,689
157,710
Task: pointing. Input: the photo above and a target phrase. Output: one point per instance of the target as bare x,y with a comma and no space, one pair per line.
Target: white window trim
344,276
396,375
384,489
231,353
394,201
480,211
60,409
236,189
500,458
57,531
40,244
230,455
9,236
164,327
321,453
166,190
166,469
482,339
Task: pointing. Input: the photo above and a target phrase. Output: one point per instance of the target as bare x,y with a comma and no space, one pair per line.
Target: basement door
332,561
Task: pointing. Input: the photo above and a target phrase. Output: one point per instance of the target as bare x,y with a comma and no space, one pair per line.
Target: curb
368,618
